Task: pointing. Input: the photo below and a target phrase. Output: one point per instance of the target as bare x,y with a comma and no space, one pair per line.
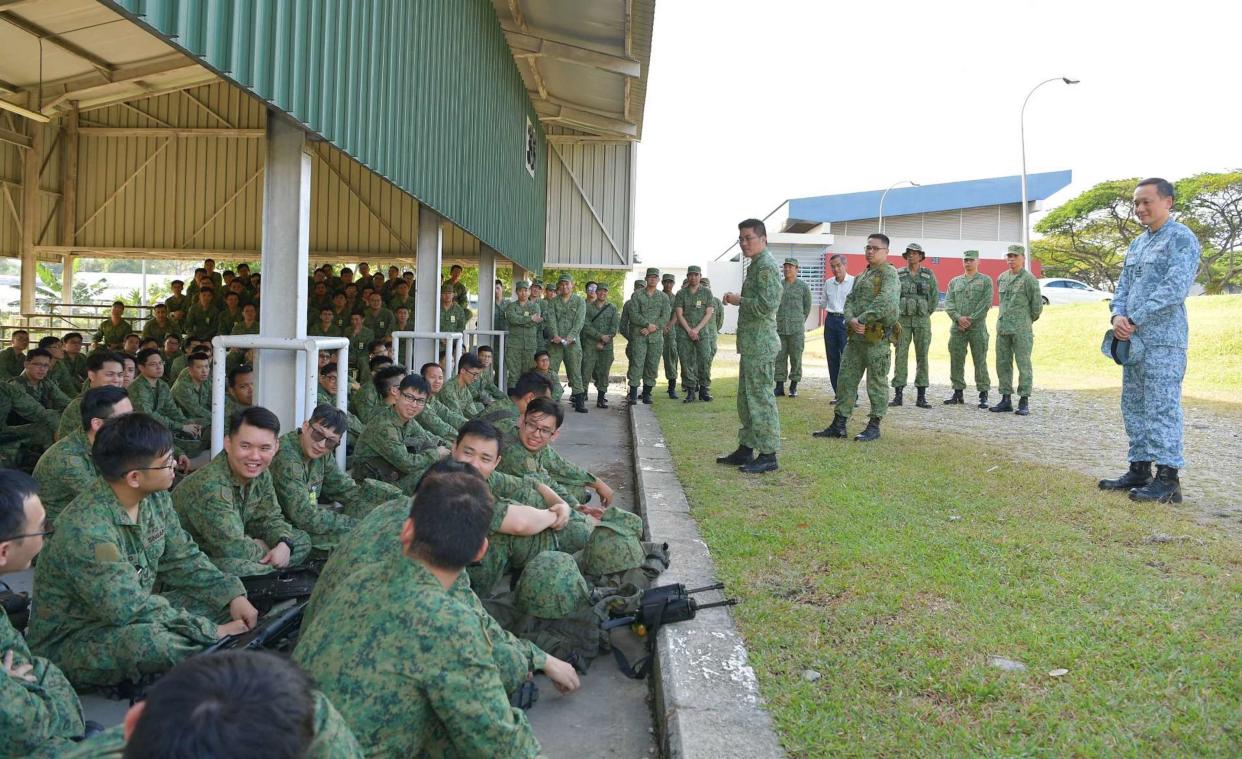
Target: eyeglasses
417,400
170,463
870,248
473,373
747,238
323,438
538,431
46,531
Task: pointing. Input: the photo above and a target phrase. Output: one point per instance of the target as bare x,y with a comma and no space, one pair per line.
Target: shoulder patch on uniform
107,552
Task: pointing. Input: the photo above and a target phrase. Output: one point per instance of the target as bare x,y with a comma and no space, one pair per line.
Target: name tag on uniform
531,465
698,304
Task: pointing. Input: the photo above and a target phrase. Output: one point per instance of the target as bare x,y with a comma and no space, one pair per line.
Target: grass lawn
895,570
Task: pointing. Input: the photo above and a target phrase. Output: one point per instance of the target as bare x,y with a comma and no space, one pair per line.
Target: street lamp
1026,212
910,182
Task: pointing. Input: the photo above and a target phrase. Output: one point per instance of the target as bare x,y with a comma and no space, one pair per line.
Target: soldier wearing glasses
394,447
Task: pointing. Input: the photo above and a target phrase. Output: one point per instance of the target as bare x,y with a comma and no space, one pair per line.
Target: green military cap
1017,249
601,286
537,283
523,284
564,278
694,270
915,247
705,281
791,262
638,283
615,543
446,288
971,255
668,278
552,587
653,272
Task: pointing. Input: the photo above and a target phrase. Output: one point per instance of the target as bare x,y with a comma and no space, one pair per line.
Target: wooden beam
69,179
30,197
56,88
14,138
246,134
54,39
522,42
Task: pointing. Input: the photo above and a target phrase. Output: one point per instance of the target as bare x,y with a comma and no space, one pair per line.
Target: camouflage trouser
1011,349
379,469
977,340
596,363
789,358
506,552
645,359
756,407
916,329
518,357
696,360
670,357
872,358
572,358
1151,405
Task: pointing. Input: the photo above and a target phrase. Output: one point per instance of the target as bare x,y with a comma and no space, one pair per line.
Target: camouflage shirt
600,321
223,516
153,329
875,296
365,403
646,310
113,334
156,399
39,717
794,308
756,316
70,419
203,322
454,318
45,393
64,470
194,399
12,363
458,399
545,466
969,296
693,305
379,322
567,316
503,415
381,451
1020,302
920,293
522,331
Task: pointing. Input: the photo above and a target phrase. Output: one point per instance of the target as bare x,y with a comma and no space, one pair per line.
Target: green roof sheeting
423,92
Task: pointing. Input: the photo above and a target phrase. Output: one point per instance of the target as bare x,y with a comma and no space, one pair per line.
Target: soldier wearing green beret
668,282
967,302
694,308
791,328
649,314
599,329
567,315
1020,305
920,294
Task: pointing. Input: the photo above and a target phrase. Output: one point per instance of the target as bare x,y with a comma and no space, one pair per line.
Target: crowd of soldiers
456,554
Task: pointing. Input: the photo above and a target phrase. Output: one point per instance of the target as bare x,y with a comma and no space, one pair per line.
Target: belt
835,313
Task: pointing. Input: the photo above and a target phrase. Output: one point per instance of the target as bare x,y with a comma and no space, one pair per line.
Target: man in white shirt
836,288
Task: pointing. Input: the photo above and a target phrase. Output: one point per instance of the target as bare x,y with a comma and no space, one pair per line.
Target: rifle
271,631
265,591
666,604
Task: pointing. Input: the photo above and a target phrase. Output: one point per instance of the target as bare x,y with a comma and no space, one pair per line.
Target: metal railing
498,350
454,343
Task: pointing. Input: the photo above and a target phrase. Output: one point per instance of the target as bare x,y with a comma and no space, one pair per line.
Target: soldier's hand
22,671
443,451
536,318
183,464
1123,328
605,492
561,510
262,546
241,610
277,557
562,674
693,335
236,627
963,323
856,326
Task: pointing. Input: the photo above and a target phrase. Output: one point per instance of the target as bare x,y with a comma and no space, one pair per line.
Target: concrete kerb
707,701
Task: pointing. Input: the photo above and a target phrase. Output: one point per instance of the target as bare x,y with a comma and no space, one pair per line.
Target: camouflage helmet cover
615,544
552,587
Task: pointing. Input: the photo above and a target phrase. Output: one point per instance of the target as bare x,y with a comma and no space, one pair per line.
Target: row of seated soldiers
147,568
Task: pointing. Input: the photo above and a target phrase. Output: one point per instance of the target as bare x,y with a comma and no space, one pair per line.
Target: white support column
32,167
286,248
487,291
427,293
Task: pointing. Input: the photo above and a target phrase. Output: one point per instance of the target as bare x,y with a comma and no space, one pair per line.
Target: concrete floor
609,716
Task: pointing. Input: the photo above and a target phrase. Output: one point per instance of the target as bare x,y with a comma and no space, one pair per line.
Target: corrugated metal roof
974,193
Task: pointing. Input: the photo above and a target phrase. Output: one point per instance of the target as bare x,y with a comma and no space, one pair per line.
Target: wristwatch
287,542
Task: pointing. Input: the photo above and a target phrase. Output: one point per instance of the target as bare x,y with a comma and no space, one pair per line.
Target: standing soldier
668,281
649,313
713,333
524,319
1020,305
696,318
920,293
626,325
598,331
453,316
791,328
870,316
498,311
568,314
461,296
757,344
541,335
967,302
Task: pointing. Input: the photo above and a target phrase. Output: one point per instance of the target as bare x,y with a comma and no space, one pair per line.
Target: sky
751,103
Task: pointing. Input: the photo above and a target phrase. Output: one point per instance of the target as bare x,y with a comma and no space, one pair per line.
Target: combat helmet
615,544
552,587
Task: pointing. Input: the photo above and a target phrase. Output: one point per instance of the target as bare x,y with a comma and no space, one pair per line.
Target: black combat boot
955,400
742,455
1138,476
896,401
780,389
690,396
983,399
704,395
793,389
1004,405
632,395
672,390
601,399
1166,488
647,394
579,401
872,431
764,462
1024,406
836,429
922,399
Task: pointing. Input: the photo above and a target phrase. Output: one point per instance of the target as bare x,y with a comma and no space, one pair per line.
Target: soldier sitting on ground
66,469
485,390
103,369
230,506
22,443
543,367
393,447
239,395
98,617
504,414
151,396
434,374
325,395
34,381
437,692
13,358
193,394
528,452
458,394
365,402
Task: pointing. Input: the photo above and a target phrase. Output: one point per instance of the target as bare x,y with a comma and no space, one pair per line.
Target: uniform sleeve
28,408
35,716
883,307
766,298
614,322
933,297
564,471
186,568
437,427
210,513
448,416
1175,285
268,523
143,399
984,303
515,316
623,324
806,300
1035,298
590,328
574,328
950,302
298,505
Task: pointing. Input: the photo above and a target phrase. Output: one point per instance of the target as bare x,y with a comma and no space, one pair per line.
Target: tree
1087,237
1211,205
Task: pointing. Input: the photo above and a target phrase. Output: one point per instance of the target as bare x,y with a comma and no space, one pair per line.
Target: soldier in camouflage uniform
229,506
545,309
193,394
485,391
713,332
694,311
524,317
393,447
668,282
13,358
112,331
625,326
66,468
920,294
203,318
161,325
23,443
791,328
98,616
34,381
457,394
461,296
599,329
967,302
568,315
1020,305
870,313
529,453
649,313
40,713
757,343
453,316
150,395
104,369
376,317
436,693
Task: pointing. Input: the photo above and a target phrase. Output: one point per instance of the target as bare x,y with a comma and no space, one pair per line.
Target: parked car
1056,291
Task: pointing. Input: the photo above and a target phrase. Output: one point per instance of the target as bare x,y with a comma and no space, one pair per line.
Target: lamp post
910,182
1026,212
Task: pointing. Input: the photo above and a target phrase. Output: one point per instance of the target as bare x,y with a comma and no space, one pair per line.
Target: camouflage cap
915,247
601,286
564,278
615,544
537,283
639,283
970,255
446,288
652,272
523,284
791,262
1021,251
552,587
667,278
694,270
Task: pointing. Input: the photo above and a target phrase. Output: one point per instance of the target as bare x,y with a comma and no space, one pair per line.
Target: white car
1056,291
